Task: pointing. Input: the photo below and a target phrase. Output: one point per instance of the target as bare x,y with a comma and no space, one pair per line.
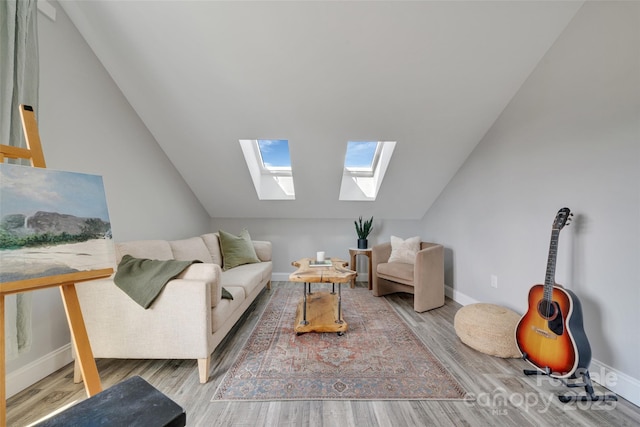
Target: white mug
320,256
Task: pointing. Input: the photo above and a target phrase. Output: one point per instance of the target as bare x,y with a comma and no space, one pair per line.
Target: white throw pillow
404,250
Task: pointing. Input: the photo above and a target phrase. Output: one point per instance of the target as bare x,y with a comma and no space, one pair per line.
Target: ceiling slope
433,76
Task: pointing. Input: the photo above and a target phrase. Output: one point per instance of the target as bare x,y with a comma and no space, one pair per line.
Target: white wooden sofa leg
203,369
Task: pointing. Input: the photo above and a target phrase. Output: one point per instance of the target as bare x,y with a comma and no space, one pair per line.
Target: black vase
362,243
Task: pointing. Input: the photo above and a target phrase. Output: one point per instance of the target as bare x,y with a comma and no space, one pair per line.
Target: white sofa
188,319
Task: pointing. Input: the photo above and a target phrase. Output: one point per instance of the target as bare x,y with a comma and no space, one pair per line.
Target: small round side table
353,252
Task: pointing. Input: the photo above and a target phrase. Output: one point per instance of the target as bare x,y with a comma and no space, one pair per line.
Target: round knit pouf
488,328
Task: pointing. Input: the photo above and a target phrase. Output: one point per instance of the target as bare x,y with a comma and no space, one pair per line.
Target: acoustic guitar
550,334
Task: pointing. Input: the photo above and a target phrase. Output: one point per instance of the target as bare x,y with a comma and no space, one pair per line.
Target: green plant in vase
363,229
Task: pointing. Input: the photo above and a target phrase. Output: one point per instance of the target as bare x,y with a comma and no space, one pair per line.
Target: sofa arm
380,253
210,273
263,249
177,325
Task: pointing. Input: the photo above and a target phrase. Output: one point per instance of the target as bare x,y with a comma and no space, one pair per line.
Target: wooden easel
66,282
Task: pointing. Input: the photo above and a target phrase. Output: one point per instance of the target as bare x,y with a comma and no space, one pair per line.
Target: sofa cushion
212,242
226,307
397,271
190,249
404,250
267,270
151,249
248,276
236,250
263,250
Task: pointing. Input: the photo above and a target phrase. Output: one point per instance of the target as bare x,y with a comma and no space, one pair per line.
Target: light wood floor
504,396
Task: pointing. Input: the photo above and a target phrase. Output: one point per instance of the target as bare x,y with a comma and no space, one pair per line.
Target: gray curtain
19,67
19,80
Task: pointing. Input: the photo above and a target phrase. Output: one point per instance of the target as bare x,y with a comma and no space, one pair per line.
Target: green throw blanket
143,279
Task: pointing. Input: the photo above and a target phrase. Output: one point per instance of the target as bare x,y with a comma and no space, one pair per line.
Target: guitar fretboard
550,277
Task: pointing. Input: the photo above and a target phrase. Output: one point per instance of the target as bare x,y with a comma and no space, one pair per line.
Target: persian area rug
378,358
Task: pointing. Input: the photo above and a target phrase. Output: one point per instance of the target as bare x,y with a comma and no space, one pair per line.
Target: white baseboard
616,381
458,297
33,372
280,277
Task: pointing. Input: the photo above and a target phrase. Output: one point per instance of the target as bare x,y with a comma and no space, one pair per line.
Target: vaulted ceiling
433,76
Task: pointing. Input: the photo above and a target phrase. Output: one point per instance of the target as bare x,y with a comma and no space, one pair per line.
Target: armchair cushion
404,250
397,271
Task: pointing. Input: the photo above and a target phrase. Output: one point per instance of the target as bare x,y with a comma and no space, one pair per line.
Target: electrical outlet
494,281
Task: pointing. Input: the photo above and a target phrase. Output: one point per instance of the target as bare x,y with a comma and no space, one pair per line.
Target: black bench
133,402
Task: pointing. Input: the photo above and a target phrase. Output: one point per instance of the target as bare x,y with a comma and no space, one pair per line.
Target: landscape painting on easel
52,223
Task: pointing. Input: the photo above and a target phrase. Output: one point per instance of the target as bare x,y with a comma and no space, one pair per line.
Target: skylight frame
363,184
270,182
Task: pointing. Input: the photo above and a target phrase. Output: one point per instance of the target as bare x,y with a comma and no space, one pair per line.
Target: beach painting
52,223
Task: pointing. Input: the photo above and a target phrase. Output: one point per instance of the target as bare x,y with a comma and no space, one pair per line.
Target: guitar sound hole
550,311
547,309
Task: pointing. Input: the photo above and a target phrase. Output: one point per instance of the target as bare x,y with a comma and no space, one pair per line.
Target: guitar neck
550,276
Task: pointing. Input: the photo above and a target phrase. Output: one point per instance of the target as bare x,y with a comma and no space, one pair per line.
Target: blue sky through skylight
360,154
275,153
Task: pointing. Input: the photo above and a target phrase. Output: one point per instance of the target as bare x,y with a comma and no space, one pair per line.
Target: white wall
570,137
86,125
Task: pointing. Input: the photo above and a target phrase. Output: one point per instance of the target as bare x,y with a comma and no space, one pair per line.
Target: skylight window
362,157
274,154
269,164
364,167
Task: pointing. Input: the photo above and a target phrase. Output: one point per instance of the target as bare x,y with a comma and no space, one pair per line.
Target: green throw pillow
236,250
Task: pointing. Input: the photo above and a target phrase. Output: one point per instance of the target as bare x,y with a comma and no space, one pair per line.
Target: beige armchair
424,278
